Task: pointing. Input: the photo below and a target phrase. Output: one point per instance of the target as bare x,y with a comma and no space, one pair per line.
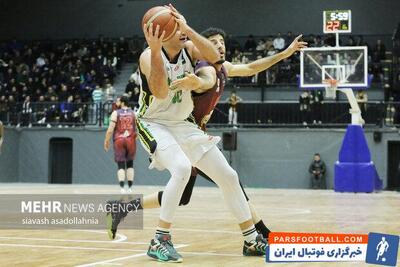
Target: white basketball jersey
178,105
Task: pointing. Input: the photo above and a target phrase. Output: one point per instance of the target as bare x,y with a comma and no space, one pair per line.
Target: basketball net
330,88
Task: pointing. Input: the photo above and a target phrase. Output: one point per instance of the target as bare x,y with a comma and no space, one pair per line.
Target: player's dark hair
213,31
124,99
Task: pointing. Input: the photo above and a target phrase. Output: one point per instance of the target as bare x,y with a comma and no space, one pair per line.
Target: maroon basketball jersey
205,103
126,124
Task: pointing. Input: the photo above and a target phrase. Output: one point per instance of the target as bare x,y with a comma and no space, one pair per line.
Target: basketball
162,16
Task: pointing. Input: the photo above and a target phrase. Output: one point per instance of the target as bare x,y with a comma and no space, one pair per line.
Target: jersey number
126,123
177,97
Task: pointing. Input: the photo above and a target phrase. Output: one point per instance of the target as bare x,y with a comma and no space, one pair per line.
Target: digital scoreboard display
337,21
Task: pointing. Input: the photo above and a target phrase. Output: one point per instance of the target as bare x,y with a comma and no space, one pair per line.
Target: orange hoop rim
331,82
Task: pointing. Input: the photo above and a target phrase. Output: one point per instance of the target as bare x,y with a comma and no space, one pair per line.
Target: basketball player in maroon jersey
123,129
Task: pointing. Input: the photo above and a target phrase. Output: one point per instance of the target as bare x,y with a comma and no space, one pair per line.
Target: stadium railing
283,114
51,114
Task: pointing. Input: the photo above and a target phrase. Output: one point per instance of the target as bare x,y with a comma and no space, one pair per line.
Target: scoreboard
337,21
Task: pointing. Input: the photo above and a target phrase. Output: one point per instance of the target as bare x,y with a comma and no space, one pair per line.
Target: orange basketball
162,16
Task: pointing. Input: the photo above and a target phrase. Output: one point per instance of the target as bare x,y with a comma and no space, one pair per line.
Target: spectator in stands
390,112
396,51
286,72
330,40
109,70
237,57
260,46
317,96
350,41
79,115
318,41
279,42
377,72
136,77
97,97
271,74
3,108
305,108
362,99
40,110
269,43
317,171
132,88
26,115
66,110
271,51
122,51
63,94
359,41
109,92
288,38
40,61
250,44
233,101
396,116
379,51
12,110
52,113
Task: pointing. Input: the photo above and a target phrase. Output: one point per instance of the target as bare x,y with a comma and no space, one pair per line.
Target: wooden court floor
205,232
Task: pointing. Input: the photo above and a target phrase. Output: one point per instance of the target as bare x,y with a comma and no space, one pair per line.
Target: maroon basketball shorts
124,149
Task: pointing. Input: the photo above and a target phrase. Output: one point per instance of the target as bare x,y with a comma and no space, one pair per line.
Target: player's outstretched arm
110,130
152,64
263,63
203,80
199,47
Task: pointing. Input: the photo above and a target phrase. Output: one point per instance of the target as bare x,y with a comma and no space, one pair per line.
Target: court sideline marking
120,258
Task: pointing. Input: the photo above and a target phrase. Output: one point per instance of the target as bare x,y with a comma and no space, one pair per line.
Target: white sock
250,234
162,231
130,174
121,175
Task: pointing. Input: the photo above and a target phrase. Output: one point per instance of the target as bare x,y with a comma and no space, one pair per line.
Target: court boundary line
120,238
121,258
69,240
69,247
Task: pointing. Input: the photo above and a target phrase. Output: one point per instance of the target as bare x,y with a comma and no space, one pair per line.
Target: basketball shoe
256,247
162,249
114,217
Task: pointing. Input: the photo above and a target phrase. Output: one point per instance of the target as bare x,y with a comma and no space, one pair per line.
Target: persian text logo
290,247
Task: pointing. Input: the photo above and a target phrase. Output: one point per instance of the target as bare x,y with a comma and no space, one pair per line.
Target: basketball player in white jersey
176,144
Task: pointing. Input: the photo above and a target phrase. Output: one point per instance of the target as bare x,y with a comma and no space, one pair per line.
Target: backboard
348,65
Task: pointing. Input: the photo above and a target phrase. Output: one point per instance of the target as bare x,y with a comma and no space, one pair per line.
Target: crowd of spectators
52,82
47,82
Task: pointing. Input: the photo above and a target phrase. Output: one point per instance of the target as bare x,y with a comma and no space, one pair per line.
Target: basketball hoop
330,88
